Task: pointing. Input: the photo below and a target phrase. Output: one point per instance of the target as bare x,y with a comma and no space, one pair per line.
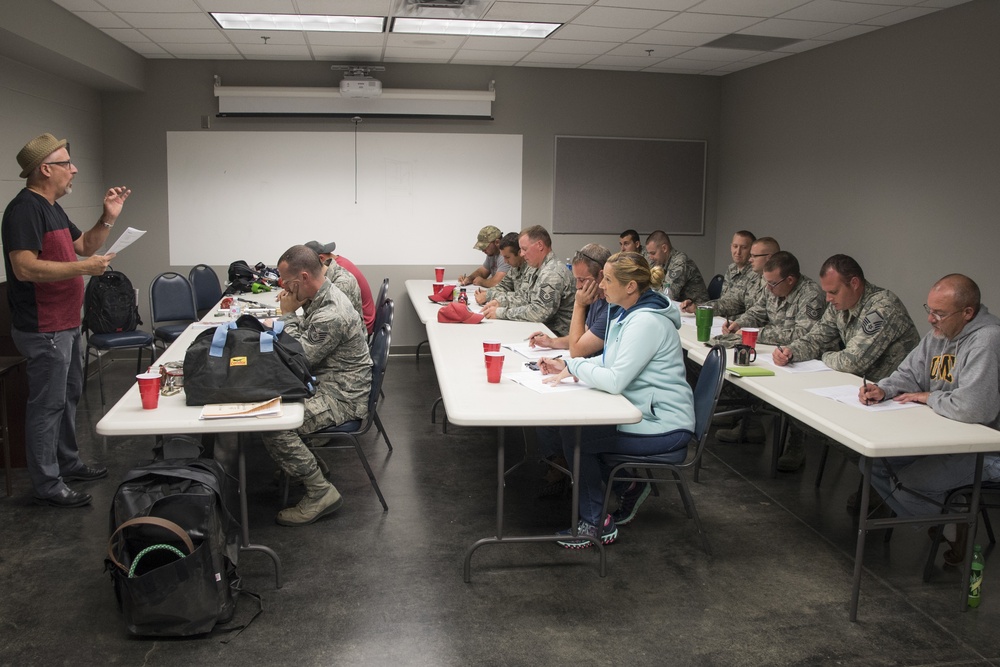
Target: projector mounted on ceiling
442,9
358,81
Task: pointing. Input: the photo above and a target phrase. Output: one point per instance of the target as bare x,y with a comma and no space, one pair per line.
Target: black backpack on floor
109,304
173,549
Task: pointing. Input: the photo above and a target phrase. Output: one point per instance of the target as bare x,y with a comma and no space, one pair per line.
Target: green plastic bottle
976,577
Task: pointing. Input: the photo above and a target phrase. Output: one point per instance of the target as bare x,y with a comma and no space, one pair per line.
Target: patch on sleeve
872,323
813,311
316,336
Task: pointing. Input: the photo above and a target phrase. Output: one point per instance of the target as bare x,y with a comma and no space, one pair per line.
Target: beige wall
885,147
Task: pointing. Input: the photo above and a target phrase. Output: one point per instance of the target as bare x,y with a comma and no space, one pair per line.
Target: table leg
245,544
417,353
859,552
500,539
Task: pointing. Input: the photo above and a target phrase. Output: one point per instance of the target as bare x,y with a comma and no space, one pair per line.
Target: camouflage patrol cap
487,235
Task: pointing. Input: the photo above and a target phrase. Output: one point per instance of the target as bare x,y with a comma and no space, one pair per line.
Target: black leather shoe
85,474
66,498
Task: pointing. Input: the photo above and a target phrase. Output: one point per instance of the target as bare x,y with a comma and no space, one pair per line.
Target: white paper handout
848,395
533,380
529,352
128,237
810,366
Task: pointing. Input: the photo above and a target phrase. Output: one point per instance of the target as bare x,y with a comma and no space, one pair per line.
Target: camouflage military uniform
784,319
513,287
345,281
683,280
549,299
740,289
870,339
335,343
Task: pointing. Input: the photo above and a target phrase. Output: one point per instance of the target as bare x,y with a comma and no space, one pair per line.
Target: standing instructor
45,291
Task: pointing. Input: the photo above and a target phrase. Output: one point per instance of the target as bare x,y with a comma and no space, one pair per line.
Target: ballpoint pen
864,386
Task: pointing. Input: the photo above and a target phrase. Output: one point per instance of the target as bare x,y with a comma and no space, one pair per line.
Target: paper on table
128,237
271,408
848,395
526,350
811,366
533,380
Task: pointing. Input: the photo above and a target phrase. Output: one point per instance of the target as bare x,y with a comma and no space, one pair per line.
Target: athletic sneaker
608,534
629,502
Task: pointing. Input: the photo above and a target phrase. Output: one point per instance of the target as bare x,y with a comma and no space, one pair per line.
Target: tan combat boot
321,498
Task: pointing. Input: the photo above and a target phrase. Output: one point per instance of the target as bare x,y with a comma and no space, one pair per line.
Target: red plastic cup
439,273
750,337
491,346
437,287
494,366
149,390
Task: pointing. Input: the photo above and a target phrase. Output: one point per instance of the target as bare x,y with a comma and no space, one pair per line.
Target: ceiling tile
523,63
342,39
159,6
425,55
513,44
613,17
668,5
762,8
102,19
803,45
250,6
239,37
201,49
904,14
352,54
573,46
659,51
684,65
564,58
589,33
715,23
636,62
152,20
149,50
275,50
765,57
794,29
165,37
343,7
718,55
675,38
471,56
523,11
836,11
941,4
424,41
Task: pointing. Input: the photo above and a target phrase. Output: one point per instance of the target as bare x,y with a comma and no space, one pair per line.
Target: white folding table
472,401
914,432
173,416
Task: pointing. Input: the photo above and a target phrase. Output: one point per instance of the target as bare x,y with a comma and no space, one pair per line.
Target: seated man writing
514,284
336,347
956,372
495,267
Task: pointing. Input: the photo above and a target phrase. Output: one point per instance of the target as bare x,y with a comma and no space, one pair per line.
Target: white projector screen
408,198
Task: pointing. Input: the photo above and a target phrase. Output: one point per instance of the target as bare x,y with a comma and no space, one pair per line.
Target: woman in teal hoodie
642,361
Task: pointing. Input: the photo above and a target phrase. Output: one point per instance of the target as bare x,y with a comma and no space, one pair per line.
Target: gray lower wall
537,103
885,147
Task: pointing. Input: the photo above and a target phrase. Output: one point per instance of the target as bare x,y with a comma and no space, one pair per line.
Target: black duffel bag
241,362
173,548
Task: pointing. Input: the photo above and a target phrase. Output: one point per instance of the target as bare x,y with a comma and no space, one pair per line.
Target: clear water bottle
976,577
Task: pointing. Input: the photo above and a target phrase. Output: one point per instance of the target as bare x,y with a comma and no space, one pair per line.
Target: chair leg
822,464
693,512
381,429
986,522
371,475
100,376
684,494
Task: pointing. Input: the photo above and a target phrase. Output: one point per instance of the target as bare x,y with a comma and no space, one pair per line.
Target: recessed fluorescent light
307,22
479,28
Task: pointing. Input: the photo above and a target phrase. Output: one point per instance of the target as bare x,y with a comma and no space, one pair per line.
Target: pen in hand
864,386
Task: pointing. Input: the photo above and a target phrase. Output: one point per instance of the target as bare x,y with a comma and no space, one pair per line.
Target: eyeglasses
65,164
773,285
763,254
936,316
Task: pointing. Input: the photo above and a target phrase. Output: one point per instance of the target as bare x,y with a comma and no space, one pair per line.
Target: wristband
108,225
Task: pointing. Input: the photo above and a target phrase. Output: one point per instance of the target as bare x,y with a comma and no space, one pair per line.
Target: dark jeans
597,440
55,383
